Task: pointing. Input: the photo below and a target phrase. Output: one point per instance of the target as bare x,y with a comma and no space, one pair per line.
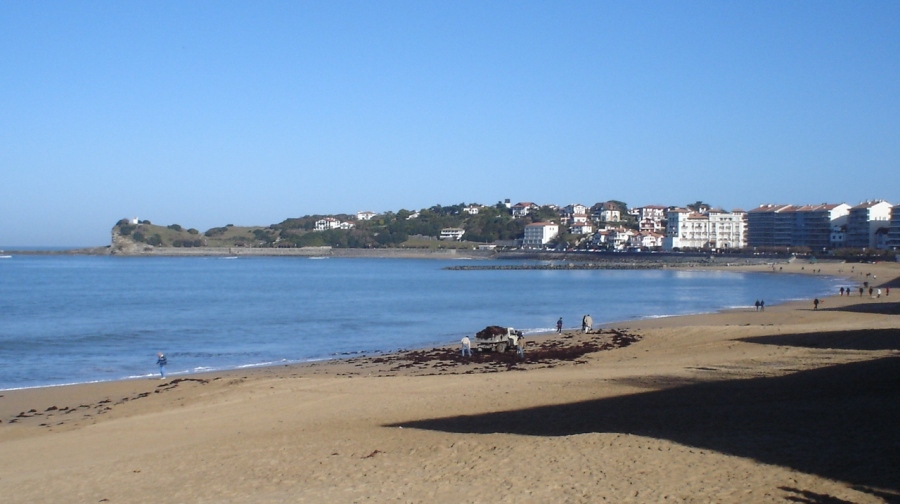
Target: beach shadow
863,339
881,308
839,422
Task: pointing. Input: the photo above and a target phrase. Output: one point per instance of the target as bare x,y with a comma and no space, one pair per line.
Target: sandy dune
787,405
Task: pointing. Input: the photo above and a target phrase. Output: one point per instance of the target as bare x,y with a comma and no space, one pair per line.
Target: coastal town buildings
715,229
539,234
802,229
864,221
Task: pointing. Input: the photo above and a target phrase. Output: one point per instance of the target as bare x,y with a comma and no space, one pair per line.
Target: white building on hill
452,233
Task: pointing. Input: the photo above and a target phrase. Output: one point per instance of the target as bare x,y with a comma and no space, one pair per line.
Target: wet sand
788,404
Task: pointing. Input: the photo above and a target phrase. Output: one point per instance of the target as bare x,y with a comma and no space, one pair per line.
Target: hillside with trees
403,228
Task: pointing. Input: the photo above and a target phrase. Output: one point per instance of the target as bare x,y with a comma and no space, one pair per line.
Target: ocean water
75,319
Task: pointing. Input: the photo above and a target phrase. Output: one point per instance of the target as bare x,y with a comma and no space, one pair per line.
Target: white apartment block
452,233
539,234
715,229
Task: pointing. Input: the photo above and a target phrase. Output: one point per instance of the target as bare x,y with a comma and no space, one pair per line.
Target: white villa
522,209
646,240
581,228
332,223
607,212
365,215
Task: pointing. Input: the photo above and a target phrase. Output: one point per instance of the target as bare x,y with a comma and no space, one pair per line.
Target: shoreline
832,270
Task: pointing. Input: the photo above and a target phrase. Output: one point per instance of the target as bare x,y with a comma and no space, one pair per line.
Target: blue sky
247,113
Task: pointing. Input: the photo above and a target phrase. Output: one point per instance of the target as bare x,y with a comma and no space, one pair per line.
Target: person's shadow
841,422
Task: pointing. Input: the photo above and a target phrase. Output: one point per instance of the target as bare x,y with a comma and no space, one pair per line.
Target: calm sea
75,319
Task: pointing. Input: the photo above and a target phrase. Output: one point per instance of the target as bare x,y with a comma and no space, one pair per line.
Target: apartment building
864,220
894,231
812,226
539,234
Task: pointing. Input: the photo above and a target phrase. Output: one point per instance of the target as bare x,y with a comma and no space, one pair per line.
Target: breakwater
568,266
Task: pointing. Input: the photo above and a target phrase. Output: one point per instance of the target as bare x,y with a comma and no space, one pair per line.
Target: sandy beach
788,404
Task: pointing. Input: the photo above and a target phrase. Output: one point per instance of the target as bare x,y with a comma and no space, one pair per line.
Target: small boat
5,257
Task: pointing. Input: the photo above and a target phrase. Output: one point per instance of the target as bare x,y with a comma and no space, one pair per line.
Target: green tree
699,206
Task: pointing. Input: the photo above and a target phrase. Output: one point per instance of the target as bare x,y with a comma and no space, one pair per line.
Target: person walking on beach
842,291
762,305
587,323
860,292
756,304
816,304
161,362
559,325
466,346
520,346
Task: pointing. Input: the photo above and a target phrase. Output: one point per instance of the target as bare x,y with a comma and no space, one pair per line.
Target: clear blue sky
212,113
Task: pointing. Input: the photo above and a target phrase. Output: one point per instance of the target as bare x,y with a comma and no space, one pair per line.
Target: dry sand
787,405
